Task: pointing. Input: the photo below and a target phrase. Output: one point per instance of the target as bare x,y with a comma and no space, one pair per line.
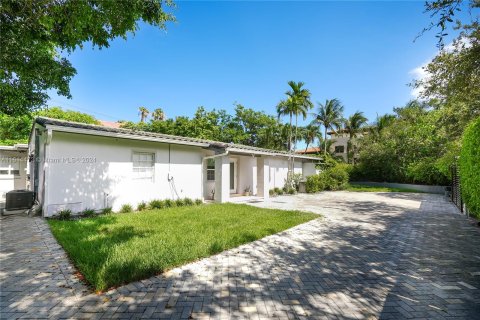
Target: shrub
180,202
277,191
312,184
198,202
107,210
141,206
65,214
157,204
470,167
332,178
126,208
292,191
170,203
88,212
188,202
272,193
336,178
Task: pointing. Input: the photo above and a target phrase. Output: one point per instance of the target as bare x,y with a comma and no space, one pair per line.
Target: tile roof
44,121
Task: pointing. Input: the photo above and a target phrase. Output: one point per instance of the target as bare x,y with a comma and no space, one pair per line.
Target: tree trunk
325,142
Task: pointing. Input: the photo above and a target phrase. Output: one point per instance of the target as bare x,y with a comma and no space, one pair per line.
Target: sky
221,53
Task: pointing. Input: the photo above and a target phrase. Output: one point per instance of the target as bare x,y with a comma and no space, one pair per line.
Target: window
339,149
3,171
143,165
16,172
210,170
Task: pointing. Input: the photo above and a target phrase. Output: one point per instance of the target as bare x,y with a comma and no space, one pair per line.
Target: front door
233,176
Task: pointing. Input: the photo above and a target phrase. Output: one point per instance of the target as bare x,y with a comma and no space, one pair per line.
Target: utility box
19,199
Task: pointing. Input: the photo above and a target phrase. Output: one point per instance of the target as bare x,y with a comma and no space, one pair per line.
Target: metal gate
456,194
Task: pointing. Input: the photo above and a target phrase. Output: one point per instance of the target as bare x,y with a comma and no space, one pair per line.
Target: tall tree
143,113
353,125
301,103
330,115
36,36
158,114
310,133
286,108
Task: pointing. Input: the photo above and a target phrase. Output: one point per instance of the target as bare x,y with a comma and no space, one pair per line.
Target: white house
78,166
13,169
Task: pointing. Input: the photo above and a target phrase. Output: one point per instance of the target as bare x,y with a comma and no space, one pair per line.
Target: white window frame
149,170
211,169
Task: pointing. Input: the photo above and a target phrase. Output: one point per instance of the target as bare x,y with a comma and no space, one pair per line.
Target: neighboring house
13,168
313,150
339,145
81,166
110,124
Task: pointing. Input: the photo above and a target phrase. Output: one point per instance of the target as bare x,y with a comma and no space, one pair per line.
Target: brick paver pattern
373,255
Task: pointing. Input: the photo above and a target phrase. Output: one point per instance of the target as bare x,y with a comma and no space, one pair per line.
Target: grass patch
363,188
120,248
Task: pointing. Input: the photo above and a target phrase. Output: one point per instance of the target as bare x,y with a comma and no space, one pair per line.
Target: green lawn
114,249
362,188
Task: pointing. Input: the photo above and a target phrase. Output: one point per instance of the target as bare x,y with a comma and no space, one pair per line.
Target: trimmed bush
156,204
170,203
278,191
188,202
88,212
272,193
107,210
126,208
470,167
292,191
179,202
332,178
141,206
65,214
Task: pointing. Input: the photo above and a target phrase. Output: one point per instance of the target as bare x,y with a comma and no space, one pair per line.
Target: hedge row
470,167
334,178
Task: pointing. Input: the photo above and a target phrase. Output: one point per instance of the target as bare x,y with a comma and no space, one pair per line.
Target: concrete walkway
374,255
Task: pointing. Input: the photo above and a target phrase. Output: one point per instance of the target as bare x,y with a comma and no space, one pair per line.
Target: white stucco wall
95,172
279,171
247,174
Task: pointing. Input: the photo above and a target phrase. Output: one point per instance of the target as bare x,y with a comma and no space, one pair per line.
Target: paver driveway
375,255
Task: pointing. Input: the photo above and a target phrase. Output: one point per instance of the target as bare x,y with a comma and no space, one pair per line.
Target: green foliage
332,178
179,202
35,32
277,191
117,249
272,193
16,129
169,203
107,210
126,208
64,214
142,206
330,115
157,204
88,212
247,126
188,202
69,115
410,149
363,188
198,202
470,167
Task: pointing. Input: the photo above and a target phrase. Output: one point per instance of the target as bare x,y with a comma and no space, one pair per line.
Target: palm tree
284,108
353,125
143,112
381,123
301,102
329,115
158,114
310,133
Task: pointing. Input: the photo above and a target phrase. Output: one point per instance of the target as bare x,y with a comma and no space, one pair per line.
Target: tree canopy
37,35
